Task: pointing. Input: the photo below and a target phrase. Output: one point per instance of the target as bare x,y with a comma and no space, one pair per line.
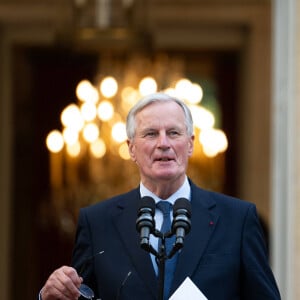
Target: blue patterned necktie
170,264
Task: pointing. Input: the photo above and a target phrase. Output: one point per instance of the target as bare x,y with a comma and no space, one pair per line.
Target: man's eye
173,133
150,134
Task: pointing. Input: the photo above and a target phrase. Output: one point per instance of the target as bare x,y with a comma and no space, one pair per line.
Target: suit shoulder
212,198
109,203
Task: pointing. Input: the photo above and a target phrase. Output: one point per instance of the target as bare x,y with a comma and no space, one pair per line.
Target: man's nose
163,141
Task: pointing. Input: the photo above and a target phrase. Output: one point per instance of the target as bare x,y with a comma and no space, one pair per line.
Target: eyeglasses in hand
84,290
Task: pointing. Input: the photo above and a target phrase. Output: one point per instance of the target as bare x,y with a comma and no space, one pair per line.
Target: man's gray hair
153,98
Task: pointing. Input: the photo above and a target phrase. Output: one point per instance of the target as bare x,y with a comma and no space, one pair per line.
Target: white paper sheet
188,290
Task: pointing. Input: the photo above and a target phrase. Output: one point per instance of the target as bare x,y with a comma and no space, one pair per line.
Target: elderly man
224,254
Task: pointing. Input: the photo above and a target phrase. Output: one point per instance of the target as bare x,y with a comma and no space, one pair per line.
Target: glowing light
55,141
170,92
123,151
118,132
88,111
147,86
86,92
74,149
130,96
91,132
109,87
70,136
98,148
202,117
213,141
71,117
181,87
105,111
194,94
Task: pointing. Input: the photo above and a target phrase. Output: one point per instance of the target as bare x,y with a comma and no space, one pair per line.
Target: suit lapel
124,220
203,222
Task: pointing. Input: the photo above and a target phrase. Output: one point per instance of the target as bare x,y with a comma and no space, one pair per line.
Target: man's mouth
164,159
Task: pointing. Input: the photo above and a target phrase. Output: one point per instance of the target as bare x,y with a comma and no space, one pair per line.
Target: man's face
161,146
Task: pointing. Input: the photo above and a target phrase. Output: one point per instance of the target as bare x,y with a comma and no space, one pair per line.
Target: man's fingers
62,284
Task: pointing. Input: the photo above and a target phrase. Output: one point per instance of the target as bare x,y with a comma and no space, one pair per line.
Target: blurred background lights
194,94
202,117
82,89
74,149
105,111
147,86
213,141
98,148
109,87
119,132
123,151
106,108
88,111
70,135
86,92
71,117
55,141
182,87
90,132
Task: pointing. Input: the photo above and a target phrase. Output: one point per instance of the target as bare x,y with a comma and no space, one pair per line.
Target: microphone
181,225
145,223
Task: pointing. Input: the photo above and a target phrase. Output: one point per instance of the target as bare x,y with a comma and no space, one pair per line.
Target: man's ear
191,145
131,150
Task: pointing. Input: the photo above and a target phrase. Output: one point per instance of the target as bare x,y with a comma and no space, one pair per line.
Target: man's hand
62,284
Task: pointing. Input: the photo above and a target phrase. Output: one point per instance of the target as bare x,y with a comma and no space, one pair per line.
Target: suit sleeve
257,278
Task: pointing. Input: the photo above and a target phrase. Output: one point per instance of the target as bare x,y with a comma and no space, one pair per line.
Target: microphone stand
161,257
161,262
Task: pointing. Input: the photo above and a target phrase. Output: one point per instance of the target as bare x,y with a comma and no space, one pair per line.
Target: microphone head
145,221
147,204
182,205
182,211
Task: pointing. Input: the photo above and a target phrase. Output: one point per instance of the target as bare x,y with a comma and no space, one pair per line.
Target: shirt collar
183,192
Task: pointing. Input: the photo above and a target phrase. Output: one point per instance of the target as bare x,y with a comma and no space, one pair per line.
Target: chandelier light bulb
74,149
98,148
213,141
118,132
202,118
194,94
86,92
71,117
221,140
105,111
130,96
123,151
55,141
88,111
181,87
147,86
109,87
70,136
91,132
170,91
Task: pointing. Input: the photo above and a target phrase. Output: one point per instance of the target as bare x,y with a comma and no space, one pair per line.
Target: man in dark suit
224,254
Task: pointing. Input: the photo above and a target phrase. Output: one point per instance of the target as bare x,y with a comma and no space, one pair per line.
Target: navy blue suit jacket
224,254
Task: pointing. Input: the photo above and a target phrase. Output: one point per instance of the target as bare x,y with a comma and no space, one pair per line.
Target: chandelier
90,150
